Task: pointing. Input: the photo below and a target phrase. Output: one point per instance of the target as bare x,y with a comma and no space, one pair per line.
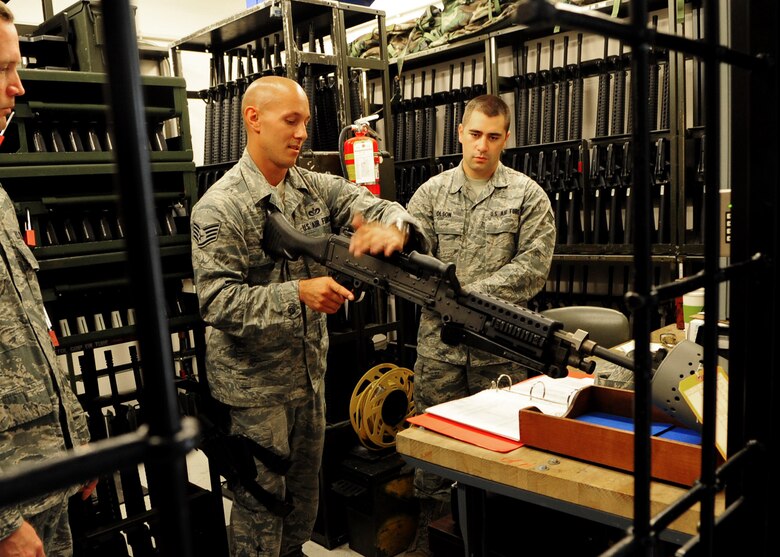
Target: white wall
162,19
173,19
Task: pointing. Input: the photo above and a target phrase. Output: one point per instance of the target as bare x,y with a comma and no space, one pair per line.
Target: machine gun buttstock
281,239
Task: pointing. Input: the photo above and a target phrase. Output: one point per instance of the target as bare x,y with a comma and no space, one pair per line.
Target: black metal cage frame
164,443
744,476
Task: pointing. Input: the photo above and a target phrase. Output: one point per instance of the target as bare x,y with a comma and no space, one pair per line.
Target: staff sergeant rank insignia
204,235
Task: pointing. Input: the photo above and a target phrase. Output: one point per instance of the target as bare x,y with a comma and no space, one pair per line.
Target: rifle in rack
477,320
237,91
558,187
562,108
665,92
267,69
577,86
626,178
398,119
652,85
430,116
574,161
599,186
355,95
309,88
449,115
664,195
602,108
572,174
549,98
419,120
615,163
535,94
279,69
460,107
224,147
208,97
409,123
619,103
521,97
613,173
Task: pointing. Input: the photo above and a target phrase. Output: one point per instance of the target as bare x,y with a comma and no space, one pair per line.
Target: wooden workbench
587,490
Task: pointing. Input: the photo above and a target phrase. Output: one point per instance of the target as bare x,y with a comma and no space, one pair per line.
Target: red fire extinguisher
361,158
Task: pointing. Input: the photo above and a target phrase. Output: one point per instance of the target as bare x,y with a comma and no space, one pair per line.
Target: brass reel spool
380,404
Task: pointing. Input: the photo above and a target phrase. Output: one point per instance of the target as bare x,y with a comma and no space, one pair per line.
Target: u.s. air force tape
204,235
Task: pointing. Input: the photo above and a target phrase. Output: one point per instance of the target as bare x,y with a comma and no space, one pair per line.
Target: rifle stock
474,319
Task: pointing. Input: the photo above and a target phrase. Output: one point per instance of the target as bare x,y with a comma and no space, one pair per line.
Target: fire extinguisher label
364,163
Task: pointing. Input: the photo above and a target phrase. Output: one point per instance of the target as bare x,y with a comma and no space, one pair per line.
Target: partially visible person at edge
39,415
497,226
267,350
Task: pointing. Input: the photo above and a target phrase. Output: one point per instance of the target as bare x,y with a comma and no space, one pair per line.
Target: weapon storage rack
59,172
59,168
304,40
571,133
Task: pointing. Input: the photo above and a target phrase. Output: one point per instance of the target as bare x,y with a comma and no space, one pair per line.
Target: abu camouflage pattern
266,352
402,38
254,532
436,27
502,244
33,388
262,335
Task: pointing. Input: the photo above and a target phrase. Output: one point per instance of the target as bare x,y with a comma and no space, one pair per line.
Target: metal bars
166,437
641,538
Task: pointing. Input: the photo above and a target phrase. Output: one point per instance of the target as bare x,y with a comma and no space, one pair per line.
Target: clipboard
692,390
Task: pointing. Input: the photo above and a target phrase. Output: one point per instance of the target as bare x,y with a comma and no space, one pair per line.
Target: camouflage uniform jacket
265,344
33,388
502,245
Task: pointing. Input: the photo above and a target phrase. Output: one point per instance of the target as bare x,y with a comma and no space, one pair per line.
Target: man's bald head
276,112
270,89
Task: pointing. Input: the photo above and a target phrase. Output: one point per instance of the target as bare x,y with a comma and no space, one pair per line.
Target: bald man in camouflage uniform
39,415
267,349
497,226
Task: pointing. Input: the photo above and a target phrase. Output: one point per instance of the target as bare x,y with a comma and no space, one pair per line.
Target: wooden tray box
672,461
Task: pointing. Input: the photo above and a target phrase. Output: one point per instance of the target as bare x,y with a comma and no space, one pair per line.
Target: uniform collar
261,190
497,180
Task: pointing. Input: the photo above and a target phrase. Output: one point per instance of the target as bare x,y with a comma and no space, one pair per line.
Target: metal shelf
243,28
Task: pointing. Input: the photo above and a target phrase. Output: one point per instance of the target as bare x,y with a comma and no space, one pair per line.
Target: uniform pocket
501,234
23,398
449,234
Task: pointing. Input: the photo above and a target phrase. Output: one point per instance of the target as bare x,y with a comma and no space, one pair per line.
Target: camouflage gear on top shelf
34,391
436,27
502,245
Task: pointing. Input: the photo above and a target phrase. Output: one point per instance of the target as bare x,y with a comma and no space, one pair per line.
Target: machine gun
471,318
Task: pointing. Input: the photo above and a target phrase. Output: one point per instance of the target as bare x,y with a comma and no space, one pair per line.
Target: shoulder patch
204,235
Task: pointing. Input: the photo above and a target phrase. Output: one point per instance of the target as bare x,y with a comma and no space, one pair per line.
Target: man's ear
252,118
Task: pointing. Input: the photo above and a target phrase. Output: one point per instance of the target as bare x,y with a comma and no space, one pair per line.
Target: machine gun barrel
471,318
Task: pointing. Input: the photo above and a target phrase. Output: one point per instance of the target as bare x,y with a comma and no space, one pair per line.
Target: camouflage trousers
436,382
295,431
53,528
